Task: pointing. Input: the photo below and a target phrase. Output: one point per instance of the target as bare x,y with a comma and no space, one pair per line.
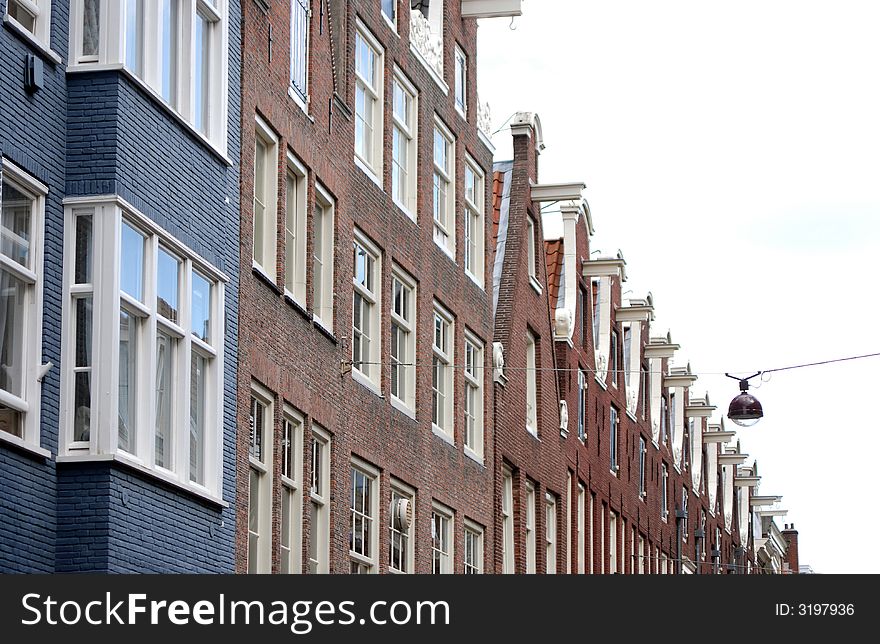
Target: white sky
731,150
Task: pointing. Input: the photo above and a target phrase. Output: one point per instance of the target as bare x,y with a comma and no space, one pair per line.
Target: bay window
158,308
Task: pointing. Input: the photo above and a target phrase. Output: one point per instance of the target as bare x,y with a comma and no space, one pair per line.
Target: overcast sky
731,150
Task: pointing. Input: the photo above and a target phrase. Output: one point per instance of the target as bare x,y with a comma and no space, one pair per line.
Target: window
612,544
441,542
672,417
627,355
404,146
568,550
461,81
473,395
86,44
167,49
291,492
319,502
641,556
368,101
592,517
645,389
366,339
134,24
33,16
473,548
364,536
582,405
162,336
260,457
389,10
507,565
300,14
207,28
642,451
322,258
531,251
295,231
473,221
265,198
444,188
594,289
531,385
615,365
684,510
403,340
581,537
664,419
400,528
21,296
582,307
550,520
664,502
441,374
602,513
613,432
531,546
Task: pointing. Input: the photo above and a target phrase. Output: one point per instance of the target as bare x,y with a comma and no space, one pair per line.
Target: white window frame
568,535
474,376
550,506
447,557
108,214
530,529
460,82
507,552
28,405
365,562
612,542
591,516
41,10
292,428
613,362
407,326
322,258
614,435
373,90
295,227
263,468
406,129
146,70
444,218
474,547
266,240
402,491
641,562
643,455
603,510
582,406
367,370
684,507
531,384
319,499
664,492
300,95
444,385
474,222
532,252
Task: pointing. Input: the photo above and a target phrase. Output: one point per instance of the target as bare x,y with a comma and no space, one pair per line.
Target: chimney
791,553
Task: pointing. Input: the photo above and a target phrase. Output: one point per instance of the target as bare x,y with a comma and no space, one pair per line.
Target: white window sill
601,382
299,101
6,437
402,407
536,285
471,454
364,560
461,113
191,488
406,211
262,271
431,71
153,94
475,279
360,378
632,417
614,471
532,432
327,327
446,251
368,171
42,48
484,139
393,28
442,434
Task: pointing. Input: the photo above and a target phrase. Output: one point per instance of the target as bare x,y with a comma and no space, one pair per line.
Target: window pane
83,260
168,49
165,357
83,332
291,265
197,412
12,307
201,307
132,35
299,38
317,451
21,13
15,227
286,501
260,154
128,327
202,72
82,404
167,285
314,537
388,8
131,278
91,16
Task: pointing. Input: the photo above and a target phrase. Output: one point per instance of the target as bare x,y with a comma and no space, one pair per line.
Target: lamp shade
745,410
